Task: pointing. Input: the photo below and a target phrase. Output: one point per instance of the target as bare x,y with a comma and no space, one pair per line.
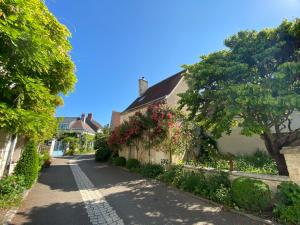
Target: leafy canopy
35,67
253,83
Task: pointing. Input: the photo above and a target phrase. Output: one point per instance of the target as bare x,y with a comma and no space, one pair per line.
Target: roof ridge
156,91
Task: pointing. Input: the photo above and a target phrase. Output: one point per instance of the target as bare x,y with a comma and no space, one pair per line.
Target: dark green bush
151,170
191,180
103,154
132,164
119,161
287,208
216,187
251,194
28,165
169,175
11,189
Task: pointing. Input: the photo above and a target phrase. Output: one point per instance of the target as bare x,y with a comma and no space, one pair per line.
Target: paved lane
84,192
138,201
54,200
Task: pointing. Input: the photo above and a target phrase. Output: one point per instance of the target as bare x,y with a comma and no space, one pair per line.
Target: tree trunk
274,150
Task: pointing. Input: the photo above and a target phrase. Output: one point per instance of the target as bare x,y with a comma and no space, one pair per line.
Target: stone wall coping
290,150
242,174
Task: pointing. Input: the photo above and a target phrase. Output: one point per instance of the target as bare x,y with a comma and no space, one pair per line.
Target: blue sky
117,41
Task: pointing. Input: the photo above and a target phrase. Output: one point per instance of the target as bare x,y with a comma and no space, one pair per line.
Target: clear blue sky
117,41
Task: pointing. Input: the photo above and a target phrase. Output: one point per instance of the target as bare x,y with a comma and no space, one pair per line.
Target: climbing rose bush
151,127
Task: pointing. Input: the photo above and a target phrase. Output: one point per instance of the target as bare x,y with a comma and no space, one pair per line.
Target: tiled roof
93,124
157,91
80,126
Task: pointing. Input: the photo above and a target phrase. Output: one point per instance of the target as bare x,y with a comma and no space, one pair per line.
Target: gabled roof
157,91
93,124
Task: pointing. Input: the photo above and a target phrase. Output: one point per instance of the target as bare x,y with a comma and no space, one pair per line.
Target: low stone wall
272,180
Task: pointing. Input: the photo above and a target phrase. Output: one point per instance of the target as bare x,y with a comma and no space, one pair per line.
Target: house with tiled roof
166,91
84,125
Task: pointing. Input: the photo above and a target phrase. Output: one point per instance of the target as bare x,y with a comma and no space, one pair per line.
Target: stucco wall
235,143
173,98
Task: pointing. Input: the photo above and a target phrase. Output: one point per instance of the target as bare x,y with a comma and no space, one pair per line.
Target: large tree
35,67
253,84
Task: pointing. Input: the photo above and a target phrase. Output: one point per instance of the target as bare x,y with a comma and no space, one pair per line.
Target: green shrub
119,161
169,175
70,152
44,159
151,170
251,194
259,162
11,189
287,208
223,195
103,154
28,165
191,180
132,164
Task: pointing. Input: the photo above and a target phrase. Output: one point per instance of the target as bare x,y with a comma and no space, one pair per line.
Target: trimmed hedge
151,170
132,164
119,161
251,194
28,165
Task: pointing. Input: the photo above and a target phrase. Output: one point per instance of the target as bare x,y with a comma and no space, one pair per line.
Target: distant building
79,125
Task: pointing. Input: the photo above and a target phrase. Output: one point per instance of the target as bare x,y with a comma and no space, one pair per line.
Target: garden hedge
28,165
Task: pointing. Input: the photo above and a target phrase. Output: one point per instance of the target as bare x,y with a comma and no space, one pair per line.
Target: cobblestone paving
98,209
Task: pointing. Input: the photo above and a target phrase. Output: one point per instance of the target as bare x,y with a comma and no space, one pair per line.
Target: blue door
58,150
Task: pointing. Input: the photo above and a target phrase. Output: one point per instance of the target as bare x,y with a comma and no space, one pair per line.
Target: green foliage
86,142
44,159
218,184
132,164
102,154
287,208
190,181
251,194
35,66
70,152
151,170
253,84
259,162
11,189
28,165
119,161
169,175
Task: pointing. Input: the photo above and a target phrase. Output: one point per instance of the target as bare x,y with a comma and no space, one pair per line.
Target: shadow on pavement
54,214
141,201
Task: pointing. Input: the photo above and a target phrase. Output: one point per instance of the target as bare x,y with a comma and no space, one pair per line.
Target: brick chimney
83,117
143,86
90,116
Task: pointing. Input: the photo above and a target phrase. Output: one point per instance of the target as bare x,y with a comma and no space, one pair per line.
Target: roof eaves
143,105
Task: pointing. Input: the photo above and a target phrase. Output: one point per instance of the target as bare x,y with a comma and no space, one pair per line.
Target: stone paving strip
98,209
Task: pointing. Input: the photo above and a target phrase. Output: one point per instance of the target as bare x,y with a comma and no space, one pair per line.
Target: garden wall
272,180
